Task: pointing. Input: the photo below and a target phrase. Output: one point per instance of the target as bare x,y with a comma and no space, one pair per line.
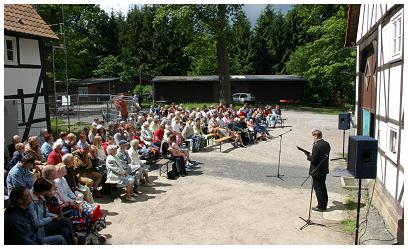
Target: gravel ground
233,196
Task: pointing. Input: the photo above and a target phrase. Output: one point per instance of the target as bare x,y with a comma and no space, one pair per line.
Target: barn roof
352,25
94,81
213,78
22,18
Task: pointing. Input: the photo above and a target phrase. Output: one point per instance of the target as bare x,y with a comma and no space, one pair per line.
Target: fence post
78,108
107,112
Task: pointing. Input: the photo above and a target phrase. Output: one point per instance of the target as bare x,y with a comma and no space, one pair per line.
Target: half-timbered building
26,100
376,31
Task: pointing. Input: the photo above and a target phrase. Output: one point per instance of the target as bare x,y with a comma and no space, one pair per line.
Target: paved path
230,198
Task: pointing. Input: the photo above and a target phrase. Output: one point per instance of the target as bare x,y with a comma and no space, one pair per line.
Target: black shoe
319,209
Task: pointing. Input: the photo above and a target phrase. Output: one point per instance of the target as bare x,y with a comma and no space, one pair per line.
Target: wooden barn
266,88
26,98
376,31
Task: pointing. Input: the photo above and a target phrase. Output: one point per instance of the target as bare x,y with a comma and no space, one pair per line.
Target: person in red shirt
158,135
56,154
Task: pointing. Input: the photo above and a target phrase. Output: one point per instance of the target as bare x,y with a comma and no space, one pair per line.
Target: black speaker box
344,120
362,157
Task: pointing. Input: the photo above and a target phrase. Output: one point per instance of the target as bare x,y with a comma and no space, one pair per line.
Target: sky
252,10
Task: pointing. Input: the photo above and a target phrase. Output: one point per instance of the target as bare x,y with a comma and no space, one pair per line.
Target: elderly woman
118,174
72,178
146,135
186,155
136,164
56,154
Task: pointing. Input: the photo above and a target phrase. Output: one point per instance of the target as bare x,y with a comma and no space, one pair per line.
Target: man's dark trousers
319,186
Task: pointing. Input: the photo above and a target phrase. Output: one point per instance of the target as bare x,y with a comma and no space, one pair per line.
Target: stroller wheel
81,240
102,239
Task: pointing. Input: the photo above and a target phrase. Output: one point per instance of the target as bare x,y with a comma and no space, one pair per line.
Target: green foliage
349,225
108,66
239,46
142,89
207,39
90,33
203,55
325,63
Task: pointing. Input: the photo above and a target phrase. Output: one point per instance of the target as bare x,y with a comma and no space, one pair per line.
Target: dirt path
230,199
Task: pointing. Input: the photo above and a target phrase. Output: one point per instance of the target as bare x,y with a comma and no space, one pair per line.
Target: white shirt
101,154
65,193
135,162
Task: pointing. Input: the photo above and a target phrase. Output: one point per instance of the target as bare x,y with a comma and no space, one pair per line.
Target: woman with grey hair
72,178
136,164
56,154
117,174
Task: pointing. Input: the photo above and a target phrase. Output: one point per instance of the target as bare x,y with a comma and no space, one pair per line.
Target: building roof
213,78
352,25
93,81
22,18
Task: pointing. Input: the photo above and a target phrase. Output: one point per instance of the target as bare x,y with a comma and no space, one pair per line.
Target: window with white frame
10,50
397,35
393,141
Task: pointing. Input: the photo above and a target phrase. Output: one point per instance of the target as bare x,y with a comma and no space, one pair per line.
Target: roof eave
352,25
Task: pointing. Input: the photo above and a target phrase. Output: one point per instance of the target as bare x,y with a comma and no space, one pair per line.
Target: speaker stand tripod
308,221
280,151
344,137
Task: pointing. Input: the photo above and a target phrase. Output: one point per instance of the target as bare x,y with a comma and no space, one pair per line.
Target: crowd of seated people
41,173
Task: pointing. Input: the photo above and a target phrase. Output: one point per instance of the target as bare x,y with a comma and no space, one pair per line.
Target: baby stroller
91,221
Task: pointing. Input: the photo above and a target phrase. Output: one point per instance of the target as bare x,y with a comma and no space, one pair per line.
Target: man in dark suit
319,168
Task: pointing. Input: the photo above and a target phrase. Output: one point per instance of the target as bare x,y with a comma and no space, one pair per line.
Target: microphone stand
280,151
308,220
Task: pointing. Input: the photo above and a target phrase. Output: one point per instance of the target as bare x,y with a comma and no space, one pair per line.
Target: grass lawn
58,125
332,110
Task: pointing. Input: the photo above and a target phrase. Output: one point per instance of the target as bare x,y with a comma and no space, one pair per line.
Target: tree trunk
223,60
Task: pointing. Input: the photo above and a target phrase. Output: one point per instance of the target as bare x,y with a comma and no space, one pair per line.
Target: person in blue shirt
17,155
19,224
46,147
20,175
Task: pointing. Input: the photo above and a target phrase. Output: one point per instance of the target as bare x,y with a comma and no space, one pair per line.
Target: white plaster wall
400,194
394,92
387,36
29,52
39,111
382,92
35,129
391,179
404,134
369,16
380,167
20,78
356,85
382,135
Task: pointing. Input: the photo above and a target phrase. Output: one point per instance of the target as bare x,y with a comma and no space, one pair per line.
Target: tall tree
239,46
86,30
212,20
262,57
325,63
